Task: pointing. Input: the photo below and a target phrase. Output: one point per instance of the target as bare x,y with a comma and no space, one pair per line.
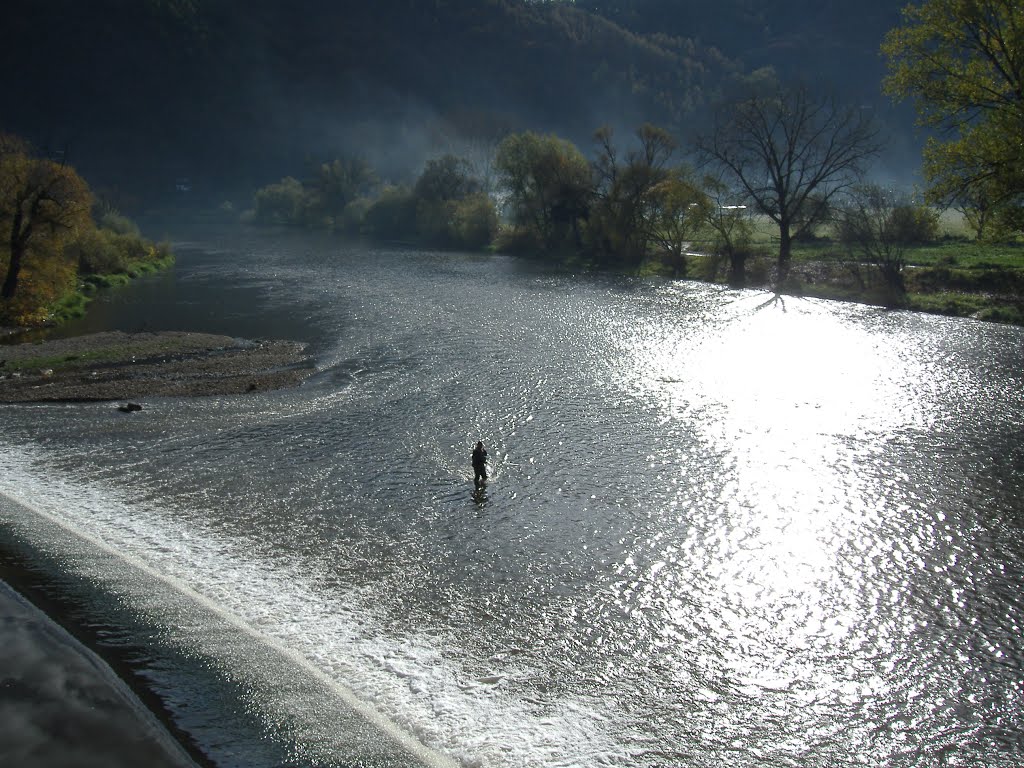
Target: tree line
782,153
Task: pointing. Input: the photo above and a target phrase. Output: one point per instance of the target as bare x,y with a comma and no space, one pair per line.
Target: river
721,528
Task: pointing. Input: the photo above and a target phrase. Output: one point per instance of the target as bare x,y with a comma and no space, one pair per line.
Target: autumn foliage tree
43,205
52,253
679,211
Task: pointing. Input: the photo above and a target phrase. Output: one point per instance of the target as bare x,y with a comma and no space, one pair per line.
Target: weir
269,680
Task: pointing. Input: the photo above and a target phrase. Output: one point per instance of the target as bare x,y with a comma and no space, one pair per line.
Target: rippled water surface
721,529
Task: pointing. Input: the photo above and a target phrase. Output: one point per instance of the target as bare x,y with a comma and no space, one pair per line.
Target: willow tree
549,187
790,154
622,222
679,212
962,64
42,205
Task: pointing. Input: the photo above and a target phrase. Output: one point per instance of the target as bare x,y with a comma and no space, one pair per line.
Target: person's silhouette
479,465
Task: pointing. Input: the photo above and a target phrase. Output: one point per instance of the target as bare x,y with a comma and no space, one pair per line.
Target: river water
721,528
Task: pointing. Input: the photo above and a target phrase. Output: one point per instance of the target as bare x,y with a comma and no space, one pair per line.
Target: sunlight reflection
802,369
784,399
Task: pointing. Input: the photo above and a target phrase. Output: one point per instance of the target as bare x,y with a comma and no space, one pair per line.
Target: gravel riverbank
122,366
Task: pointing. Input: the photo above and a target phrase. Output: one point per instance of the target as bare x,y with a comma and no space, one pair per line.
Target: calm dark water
721,529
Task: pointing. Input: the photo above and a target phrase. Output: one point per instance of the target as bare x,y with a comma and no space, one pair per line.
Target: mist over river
722,529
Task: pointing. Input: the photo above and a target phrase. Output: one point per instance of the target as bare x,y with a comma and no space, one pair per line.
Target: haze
138,95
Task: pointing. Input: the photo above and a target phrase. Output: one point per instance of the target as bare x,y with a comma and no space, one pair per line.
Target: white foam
404,685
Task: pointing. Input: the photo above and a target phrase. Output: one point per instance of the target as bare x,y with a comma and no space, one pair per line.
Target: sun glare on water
786,401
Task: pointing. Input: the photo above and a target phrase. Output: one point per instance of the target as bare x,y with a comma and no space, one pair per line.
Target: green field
954,275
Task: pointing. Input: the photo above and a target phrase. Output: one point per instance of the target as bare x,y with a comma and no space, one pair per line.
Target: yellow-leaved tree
962,64
43,206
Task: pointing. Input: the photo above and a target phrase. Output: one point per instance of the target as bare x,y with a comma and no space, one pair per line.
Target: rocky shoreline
129,367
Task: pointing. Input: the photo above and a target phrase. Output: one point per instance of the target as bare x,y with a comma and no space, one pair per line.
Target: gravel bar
132,366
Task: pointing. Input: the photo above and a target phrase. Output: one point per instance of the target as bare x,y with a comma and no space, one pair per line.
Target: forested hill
834,40
832,45
142,92
231,95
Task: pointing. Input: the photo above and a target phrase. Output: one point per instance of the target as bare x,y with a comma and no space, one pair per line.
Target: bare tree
872,226
790,153
622,216
731,228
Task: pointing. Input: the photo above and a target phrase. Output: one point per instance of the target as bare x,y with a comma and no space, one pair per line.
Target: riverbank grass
954,275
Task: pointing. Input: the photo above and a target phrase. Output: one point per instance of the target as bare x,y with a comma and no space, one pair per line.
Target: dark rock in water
129,407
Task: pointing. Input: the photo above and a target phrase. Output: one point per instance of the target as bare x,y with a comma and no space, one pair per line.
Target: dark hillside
229,95
832,44
833,39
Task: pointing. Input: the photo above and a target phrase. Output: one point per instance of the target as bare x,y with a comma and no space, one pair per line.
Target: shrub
913,224
759,269
434,222
392,215
952,304
97,253
115,222
705,267
475,221
281,203
1002,314
518,240
105,252
352,219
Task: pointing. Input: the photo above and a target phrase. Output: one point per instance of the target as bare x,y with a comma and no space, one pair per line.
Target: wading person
479,465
